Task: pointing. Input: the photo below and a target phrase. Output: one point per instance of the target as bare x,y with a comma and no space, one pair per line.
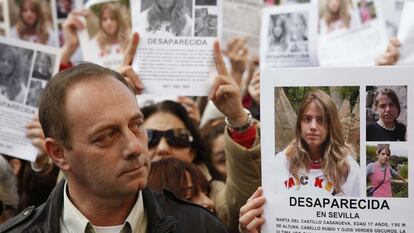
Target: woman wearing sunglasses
171,133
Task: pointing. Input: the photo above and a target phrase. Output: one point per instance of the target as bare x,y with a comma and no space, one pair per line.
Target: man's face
387,109
109,155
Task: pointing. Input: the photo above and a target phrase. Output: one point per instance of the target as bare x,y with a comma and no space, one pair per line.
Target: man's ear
56,152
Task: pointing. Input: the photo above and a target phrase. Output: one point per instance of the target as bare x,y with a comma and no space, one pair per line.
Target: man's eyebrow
137,116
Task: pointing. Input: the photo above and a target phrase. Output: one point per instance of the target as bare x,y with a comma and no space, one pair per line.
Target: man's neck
101,211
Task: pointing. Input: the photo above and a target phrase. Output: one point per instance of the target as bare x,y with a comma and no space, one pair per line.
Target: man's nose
133,145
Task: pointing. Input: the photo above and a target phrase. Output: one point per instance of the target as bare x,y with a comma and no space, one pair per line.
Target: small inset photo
387,170
386,113
366,9
43,66
205,23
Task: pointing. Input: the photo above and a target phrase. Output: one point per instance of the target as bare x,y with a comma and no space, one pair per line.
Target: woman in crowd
113,34
166,18
336,17
187,183
11,85
32,24
213,134
387,128
380,173
277,34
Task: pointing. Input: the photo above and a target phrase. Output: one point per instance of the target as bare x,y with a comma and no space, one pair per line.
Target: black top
376,133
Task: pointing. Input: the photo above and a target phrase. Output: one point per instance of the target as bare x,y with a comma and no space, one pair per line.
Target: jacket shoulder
18,221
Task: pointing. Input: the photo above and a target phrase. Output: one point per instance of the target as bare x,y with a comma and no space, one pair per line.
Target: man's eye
137,127
107,137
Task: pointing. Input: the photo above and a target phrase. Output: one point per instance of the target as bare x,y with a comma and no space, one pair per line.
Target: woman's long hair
178,16
40,26
342,14
104,40
335,150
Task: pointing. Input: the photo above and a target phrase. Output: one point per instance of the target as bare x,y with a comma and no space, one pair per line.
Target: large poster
175,53
336,154
24,70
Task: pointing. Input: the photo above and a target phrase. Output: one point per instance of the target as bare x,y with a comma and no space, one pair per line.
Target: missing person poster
107,33
242,19
406,35
24,70
351,33
289,36
336,152
175,53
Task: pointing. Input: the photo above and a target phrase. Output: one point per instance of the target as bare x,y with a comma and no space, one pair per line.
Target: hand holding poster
175,52
25,69
322,176
288,36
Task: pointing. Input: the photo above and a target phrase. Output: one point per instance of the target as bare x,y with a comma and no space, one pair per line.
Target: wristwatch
240,128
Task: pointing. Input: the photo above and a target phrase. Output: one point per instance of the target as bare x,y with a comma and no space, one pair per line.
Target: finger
133,79
230,46
33,124
35,133
225,90
186,100
131,49
254,226
218,81
38,143
394,41
256,194
218,58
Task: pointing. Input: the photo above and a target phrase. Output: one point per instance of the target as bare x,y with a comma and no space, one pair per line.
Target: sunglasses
179,138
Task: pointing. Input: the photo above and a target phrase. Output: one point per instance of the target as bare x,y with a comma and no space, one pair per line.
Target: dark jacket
165,213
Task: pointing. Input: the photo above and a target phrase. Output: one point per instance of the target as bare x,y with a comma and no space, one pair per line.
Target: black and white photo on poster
43,66
166,18
14,72
107,32
34,21
205,24
20,90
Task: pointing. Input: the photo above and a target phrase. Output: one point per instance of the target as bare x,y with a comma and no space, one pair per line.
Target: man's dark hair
52,113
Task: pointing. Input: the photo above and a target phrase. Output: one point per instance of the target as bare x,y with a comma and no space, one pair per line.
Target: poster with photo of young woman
175,53
320,171
24,70
107,32
33,21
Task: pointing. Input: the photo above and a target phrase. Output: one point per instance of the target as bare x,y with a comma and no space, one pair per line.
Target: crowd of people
106,164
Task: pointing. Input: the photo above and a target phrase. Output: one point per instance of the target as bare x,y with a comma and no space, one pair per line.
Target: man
94,133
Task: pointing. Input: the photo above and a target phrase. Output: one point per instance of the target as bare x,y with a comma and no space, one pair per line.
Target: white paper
242,19
20,89
176,60
294,41
108,54
282,212
357,44
392,15
406,35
